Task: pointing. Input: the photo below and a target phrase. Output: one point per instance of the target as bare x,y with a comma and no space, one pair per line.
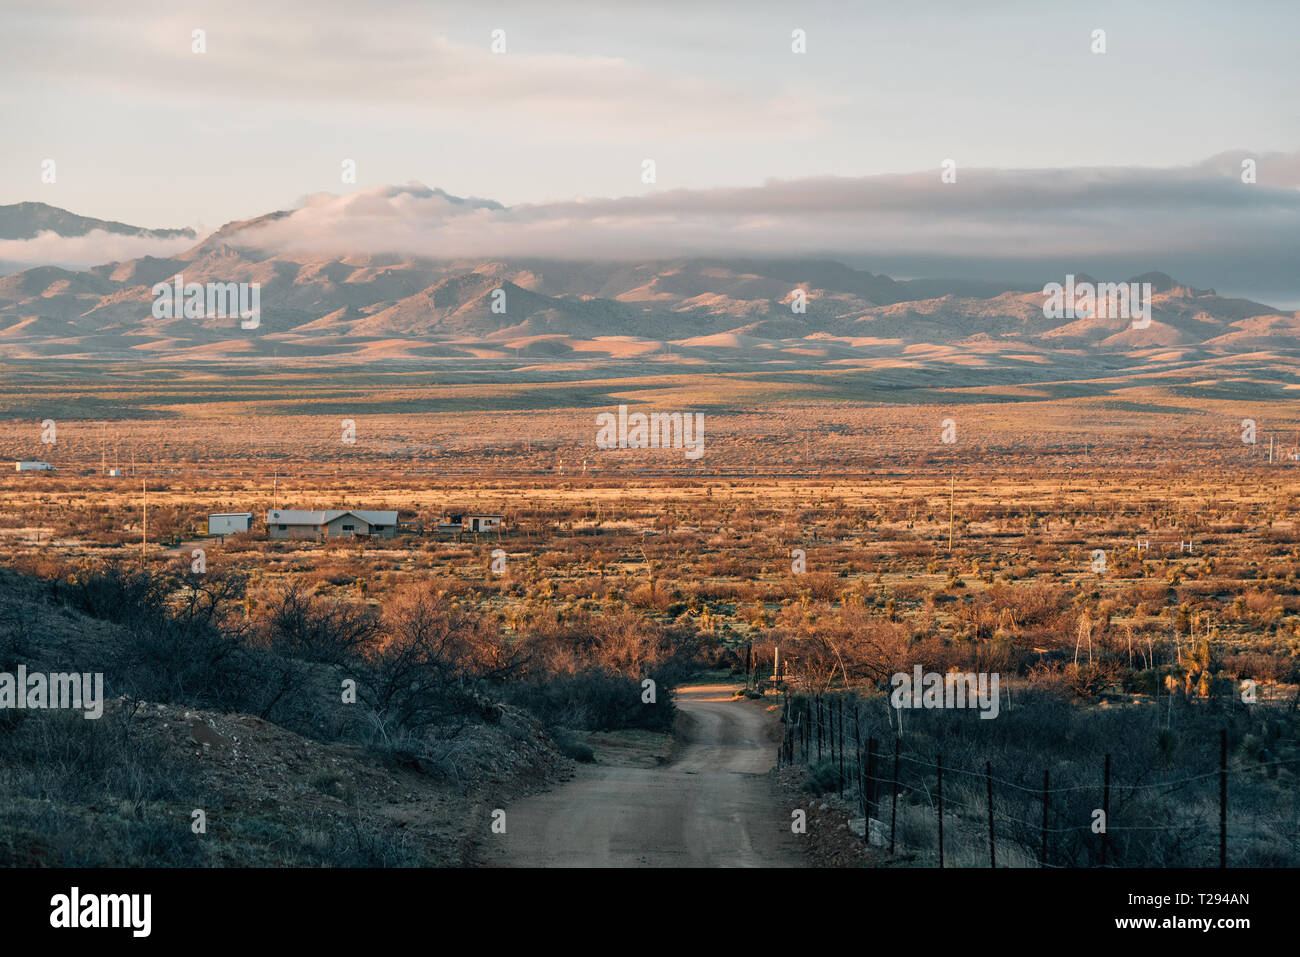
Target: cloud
339,59
1007,223
98,246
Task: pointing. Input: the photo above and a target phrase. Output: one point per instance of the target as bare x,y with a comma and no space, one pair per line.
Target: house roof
231,515
289,516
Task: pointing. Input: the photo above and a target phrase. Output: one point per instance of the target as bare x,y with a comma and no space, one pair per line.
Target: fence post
841,747
807,732
1042,857
797,743
785,735
803,731
988,778
788,743
939,762
893,814
1105,811
857,749
1223,798
819,729
830,728
870,797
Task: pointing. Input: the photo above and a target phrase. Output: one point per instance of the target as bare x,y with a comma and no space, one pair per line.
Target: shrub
822,778
302,625
595,700
571,747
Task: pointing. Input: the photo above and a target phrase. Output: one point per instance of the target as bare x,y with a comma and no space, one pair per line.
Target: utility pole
144,523
952,496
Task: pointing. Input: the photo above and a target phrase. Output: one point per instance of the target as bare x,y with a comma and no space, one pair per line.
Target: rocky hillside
124,789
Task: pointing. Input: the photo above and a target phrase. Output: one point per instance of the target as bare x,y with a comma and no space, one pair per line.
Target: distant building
115,473
229,523
33,467
330,523
457,522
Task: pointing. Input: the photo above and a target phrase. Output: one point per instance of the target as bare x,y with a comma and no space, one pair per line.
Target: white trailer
229,523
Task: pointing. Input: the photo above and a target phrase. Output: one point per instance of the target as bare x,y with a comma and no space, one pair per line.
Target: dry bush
300,624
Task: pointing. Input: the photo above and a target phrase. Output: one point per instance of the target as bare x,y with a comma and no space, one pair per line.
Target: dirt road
712,805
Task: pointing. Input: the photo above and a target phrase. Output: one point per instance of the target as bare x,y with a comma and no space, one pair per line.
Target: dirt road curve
713,805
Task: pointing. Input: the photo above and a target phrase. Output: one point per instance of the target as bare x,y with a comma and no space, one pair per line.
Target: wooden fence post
803,731
1042,857
857,749
893,814
1105,811
988,778
871,779
939,762
830,729
841,747
819,729
1223,798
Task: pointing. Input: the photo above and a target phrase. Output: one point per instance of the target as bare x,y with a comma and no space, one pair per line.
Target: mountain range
680,311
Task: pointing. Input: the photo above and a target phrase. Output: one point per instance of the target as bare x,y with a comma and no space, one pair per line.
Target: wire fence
905,798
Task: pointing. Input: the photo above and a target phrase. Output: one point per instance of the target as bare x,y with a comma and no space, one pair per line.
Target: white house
33,467
330,523
229,523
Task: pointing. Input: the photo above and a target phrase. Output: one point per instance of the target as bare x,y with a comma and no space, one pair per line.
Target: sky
1133,145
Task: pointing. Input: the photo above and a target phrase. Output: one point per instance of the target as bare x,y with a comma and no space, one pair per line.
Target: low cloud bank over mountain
1199,221
37,234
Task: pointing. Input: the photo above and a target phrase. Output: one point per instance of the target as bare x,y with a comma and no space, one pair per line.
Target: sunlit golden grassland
982,546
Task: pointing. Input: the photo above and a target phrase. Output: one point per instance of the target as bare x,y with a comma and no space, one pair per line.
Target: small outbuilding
229,523
471,522
33,467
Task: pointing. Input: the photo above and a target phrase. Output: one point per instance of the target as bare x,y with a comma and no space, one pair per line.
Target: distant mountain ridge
28,220
695,309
